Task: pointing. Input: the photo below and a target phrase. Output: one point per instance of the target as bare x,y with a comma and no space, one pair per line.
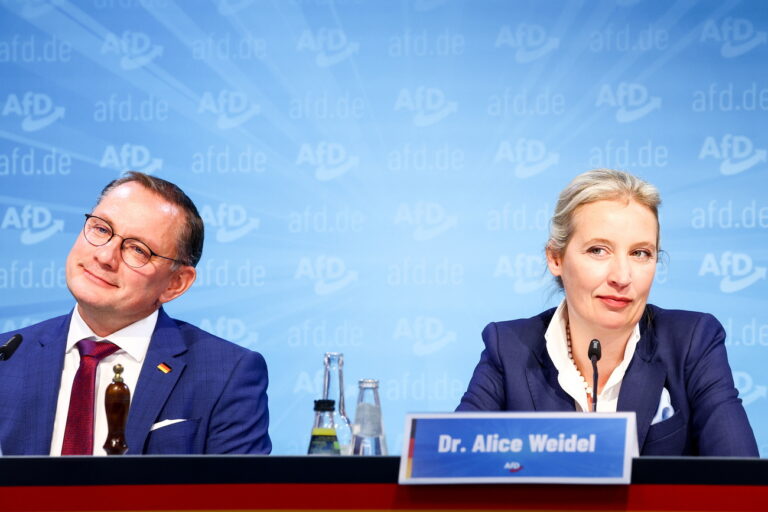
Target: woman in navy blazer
668,366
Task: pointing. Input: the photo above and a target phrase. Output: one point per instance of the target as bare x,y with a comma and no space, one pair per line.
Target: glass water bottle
333,389
368,438
323,440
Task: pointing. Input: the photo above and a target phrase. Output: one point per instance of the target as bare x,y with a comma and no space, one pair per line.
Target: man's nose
109,253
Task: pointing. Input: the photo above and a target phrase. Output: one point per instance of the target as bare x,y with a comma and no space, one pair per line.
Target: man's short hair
191,236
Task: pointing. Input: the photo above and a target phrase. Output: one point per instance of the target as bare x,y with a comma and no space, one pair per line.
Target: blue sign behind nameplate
519,447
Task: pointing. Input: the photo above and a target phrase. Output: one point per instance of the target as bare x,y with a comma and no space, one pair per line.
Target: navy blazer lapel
541,374
155,385
642,383
48,359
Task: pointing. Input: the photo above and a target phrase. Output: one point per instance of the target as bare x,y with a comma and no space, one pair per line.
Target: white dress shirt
133,341
569,377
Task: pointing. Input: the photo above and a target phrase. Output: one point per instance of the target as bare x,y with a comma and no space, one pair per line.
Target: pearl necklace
587,387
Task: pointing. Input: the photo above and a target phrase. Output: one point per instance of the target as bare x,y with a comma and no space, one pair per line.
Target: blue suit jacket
680,350
217,387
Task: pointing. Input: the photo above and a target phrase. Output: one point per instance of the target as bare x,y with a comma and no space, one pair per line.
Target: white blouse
569,377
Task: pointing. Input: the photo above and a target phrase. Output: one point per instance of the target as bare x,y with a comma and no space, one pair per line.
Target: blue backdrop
376,177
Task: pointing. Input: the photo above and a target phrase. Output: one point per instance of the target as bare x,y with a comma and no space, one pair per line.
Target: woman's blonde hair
598,185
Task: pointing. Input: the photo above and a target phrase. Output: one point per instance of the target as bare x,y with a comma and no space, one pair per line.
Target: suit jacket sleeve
486,389
717,416
240,419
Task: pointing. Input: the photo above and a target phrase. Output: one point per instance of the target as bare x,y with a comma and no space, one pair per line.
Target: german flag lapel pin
164,368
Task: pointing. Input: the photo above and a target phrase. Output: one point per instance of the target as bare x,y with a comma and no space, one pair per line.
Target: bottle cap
368,383
324,405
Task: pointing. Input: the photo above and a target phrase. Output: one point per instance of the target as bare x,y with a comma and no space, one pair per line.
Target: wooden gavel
117,400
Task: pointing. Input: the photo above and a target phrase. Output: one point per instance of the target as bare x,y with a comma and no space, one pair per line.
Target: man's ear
182,279
554,262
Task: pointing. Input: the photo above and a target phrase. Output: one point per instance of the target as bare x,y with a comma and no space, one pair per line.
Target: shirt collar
133,339
557,343
568,377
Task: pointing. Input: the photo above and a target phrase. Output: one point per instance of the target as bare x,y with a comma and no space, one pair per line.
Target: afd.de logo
36,223
329,273
232,221
429,105
631,101
427,333
527,271
513,466
735,152
134,48
736,270
736,36
232,107
530,156
130,156
329,159
312,384
427,219
231,329
748,391
330,46
529,41
36,110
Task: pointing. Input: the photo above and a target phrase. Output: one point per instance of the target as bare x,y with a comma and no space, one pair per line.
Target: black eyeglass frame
88,217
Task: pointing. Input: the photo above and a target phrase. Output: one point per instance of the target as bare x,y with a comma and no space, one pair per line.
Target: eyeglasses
135,253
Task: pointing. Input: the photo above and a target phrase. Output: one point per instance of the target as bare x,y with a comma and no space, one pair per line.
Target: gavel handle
117,400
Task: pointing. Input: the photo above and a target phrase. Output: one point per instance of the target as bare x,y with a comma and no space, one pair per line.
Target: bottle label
323,442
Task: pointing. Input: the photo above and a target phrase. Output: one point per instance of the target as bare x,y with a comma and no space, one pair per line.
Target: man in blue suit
191,391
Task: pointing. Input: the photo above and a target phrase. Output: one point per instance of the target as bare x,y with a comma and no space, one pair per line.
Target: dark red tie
78,434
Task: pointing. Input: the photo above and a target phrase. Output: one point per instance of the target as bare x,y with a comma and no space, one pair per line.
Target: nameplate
508,447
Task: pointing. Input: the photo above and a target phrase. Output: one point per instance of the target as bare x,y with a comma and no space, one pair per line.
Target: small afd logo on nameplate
507,447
